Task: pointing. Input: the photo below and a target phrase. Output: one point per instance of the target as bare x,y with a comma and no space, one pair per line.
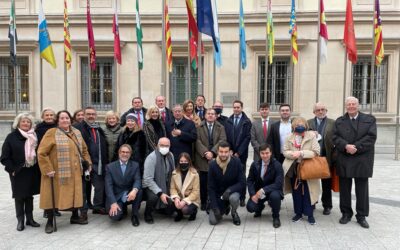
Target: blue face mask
300,129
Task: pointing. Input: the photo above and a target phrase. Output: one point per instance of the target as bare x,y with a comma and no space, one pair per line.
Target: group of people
183,160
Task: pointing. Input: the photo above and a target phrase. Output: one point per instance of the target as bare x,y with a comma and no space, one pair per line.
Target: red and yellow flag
293,34
67,38
349,34
379,50
193,34
168,38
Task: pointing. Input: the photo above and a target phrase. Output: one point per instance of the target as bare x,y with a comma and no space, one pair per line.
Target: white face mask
164,150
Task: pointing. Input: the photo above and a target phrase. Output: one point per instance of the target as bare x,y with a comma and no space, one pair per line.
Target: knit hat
131,116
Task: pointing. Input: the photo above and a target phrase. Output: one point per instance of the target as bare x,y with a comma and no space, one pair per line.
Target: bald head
164,142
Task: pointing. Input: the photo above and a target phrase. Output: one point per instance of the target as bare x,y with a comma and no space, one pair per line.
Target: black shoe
101,211
32,223
297,217
276,222
135,221
257,214
148,218
90,205
20,225
327,211
311,220
79,220
45,214
236,219
192,217
179,216
242,203
345,219
203,207
363,223
49,228
227,210
56,213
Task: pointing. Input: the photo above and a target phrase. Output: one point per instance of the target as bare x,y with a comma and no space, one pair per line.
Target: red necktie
163,116
138,119
265,129
94,135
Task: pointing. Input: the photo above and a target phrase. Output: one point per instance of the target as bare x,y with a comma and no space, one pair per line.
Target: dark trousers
151,203
243,191
85,198
362,196
24,207
301,198
326,197
274,200
135,207
88,191
187,209
203,187
99,191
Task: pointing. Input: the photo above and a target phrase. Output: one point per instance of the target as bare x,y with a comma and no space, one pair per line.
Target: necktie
236,120
94,135
123,168
201,113
163,116
265,170
138,119
265,129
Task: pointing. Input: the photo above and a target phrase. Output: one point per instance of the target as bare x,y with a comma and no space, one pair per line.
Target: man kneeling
123,186
225,182
264,183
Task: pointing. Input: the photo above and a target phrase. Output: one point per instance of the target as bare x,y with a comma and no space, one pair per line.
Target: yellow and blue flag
46,50
242,38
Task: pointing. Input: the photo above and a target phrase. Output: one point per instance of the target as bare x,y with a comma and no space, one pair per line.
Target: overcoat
327,137
189,190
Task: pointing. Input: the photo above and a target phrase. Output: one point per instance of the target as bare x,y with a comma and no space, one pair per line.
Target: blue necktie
123,168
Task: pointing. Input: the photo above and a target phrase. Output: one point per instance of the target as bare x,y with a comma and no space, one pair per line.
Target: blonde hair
150,110
109,114
297,120
21,116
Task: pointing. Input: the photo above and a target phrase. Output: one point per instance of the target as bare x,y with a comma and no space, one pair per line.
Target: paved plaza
253,233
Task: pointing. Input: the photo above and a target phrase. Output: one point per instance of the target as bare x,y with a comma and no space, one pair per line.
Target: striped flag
271,36
349,38
293,34
242,38
139,37
92,48
379,50
217,53
67,38
193,34
323,34
168,38
117,42
46,50
12,35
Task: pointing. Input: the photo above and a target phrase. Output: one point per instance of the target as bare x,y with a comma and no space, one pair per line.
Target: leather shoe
203,207
101,211
178,217
148,218
257,214
32,223
20,225
135,221
236,219
363,223
192,217
345,219
56,213
327,211
276,222
242,203
49,228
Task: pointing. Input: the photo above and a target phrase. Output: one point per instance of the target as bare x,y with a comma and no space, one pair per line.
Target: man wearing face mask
218,107
158,168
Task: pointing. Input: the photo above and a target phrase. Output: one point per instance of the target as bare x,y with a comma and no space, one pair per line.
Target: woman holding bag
301,144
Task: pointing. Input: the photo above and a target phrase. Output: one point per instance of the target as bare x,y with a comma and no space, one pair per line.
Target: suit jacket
239,137
257,136
273,179
168,116
131,111
189,190
184,142
202,143
196,110
274,139
117,184
363,135
327,137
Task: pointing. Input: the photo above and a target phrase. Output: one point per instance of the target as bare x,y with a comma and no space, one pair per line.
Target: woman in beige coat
301,144
59,160
185,188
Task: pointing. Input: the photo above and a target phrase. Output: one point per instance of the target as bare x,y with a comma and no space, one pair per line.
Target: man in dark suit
279,131
165,113
209,135
219,108
181,132
265,183
199,108
225,183
237,130
259,130
354,137
137,109
123,186
323,127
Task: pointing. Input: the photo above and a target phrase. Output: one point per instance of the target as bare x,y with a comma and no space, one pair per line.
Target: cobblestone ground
253,233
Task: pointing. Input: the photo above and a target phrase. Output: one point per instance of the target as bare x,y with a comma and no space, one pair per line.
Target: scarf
30,147
63,151
96,126
223,164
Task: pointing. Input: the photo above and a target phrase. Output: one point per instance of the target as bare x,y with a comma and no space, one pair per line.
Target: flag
217,52
67,38
193,34
168,38
139,37
323,34
349,37
379,50
205,19
46,50
117,42
293,34
242,38
92,48
271,36
12,35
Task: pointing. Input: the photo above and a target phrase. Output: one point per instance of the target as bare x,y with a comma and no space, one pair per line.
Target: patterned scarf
223,164
63,152
30,147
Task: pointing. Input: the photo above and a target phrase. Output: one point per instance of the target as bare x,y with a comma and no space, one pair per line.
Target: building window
279,84
7,84
101,90
179,81
361,84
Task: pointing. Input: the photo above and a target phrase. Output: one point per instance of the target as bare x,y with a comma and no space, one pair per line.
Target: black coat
274,140
42,128
239,137
363,136
273,180
168,116
122,121
184,142
26,181
218,182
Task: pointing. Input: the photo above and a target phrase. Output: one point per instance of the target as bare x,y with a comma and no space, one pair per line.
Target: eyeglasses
318,110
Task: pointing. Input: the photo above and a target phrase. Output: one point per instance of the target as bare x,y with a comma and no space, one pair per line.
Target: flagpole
200,89
344,79
396,143
318,52
266,58
163,54
139,80
16,87
41,84
214,78
240,71
371,87
65,86
188,94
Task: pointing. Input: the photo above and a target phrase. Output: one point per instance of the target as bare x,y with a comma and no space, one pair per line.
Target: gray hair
21,116
47,109
351,98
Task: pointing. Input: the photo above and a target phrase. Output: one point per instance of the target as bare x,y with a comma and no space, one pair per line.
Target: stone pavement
253,233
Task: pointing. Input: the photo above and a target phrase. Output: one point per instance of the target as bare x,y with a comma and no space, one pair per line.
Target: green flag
12,35
139,37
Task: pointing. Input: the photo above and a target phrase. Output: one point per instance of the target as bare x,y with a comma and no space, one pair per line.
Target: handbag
314,168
